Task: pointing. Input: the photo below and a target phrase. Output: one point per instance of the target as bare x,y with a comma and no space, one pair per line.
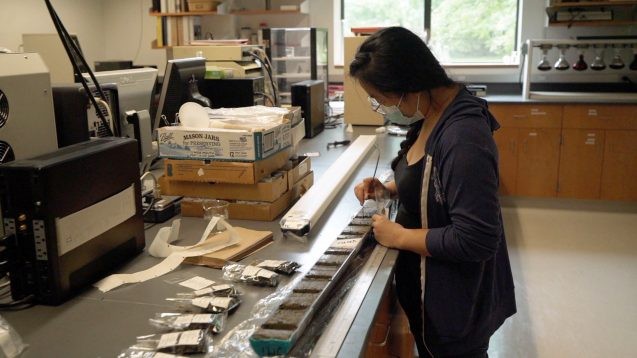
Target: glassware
215,208
633,65
581,64
562,64
617,63
598,63
544,64
381,196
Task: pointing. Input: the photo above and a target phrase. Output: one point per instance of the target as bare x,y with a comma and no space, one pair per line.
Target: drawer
528,115
379,334
600,116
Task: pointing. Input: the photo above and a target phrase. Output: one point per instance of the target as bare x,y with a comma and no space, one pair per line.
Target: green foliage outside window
462,31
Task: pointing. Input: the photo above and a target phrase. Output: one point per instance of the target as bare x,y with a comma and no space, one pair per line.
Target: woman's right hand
365,189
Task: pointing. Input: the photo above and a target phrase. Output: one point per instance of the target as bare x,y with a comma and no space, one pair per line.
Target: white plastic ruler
334,334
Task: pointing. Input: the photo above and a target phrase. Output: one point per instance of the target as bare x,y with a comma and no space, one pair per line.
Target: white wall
122,29
82,17
129,31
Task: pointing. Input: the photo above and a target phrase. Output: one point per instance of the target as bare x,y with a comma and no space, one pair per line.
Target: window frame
339,39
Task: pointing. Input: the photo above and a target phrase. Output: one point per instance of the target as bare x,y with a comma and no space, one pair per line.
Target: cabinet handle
519,116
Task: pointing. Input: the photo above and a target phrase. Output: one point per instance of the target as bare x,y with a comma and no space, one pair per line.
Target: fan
6,153
4,109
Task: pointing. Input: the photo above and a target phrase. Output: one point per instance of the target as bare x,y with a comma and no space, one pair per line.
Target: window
461,31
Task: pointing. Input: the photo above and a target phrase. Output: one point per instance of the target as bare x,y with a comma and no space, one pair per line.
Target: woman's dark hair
395,60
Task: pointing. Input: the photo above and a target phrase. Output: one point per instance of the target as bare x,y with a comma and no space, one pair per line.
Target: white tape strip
176,257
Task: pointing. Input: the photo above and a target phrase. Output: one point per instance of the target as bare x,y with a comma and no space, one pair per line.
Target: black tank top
409,184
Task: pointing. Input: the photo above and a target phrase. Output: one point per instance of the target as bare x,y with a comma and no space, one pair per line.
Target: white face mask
394,115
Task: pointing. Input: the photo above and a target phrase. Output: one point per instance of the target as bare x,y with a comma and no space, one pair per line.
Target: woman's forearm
414,240
391,187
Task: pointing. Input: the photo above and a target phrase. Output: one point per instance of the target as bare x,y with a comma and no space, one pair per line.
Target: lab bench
96,324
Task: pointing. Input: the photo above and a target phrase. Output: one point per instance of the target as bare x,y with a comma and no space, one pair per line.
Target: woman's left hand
386,231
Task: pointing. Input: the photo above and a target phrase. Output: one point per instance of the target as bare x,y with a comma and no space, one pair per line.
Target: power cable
70,46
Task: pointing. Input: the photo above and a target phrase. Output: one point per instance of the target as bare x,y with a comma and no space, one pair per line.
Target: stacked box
250,168
179,142
263,200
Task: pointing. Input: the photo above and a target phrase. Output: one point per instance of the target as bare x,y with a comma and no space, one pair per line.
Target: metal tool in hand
381,196
337,143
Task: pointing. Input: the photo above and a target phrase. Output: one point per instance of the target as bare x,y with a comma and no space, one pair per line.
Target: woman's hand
387,232
365,189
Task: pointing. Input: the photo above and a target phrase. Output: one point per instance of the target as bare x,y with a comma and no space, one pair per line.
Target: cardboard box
262,191
202,5
260,211
357,107
297,170
223,171
179,142
253,210
300,187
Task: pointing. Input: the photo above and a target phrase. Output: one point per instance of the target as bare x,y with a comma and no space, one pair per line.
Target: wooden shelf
243,12
191,13
594,23
619,8
594,4
267,12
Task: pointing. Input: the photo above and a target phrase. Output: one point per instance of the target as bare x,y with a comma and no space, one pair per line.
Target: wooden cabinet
619,170
390,335
507,141
581,163
586,151
538,160
528,145
599,152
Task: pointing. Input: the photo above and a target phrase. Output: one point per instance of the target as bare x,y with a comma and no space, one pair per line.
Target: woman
453,276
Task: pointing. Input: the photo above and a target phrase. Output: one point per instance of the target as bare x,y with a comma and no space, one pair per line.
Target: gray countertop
95,324
566,98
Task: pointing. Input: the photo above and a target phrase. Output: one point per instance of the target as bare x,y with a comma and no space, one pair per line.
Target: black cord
266,96
574,14
149,226
68,44
268,70
150,206
522,68
24,303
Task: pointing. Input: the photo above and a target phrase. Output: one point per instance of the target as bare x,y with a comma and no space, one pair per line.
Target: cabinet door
507,141
538,161
528,115
620,165
600,116
581,158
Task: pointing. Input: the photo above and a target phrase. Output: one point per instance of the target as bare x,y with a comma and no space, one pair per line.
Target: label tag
168,340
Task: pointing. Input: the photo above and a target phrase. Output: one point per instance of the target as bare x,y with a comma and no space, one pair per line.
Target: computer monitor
135,88
180,86
135,91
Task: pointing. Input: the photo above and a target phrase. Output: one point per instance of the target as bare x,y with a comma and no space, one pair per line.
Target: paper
86,224
345,243
197,283
161,247
173,260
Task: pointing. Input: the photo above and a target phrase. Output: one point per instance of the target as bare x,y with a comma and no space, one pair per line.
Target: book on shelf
159,28
224,42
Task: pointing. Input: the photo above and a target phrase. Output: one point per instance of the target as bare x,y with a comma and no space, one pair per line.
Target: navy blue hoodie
468,285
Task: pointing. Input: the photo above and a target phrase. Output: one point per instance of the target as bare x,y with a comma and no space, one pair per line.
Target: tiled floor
575,270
